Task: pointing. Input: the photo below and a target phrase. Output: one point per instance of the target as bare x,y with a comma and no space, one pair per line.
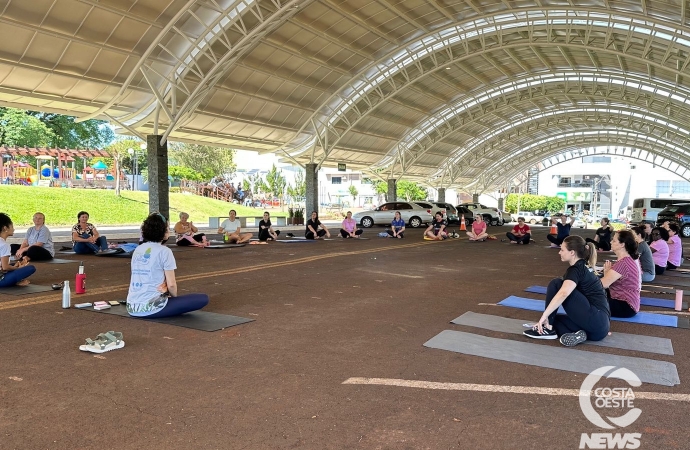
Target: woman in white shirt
11,275
38,244
153,289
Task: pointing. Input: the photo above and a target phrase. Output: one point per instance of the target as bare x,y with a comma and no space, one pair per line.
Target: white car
414,215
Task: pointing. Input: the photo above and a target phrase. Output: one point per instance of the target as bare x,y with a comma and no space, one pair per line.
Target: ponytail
591,254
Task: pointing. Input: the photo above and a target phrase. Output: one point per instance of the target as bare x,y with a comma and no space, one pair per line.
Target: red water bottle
80,284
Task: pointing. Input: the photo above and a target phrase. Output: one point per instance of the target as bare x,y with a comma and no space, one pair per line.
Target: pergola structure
464,94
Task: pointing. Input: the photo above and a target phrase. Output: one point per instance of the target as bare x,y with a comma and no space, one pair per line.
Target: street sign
341,167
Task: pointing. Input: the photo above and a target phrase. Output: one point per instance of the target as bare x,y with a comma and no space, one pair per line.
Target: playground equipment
54,166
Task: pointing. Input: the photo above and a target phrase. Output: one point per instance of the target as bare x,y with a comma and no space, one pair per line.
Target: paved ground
325,312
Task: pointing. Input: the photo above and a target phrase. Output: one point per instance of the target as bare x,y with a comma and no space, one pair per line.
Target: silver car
413,215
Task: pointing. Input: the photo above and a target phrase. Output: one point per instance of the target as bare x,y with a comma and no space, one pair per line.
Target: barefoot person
315,229
153,289
38,244
349,227
85,237
563,230
520,234
582,296
187,234
11,275
437,228
397,227
266,232
478,231
231,230
622,279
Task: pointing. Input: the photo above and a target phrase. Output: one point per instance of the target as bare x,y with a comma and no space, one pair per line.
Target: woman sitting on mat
11,275
266,232
313,225
646,259
659,248
85,237
622,280
397,227
437,228
602,239
38,244
675,247
152,289
349,229
478,231
563,230
187,234
520,234
582,296
232,231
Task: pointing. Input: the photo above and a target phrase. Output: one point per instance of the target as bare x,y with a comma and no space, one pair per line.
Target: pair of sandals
104,342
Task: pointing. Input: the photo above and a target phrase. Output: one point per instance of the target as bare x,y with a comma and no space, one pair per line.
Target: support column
475,198
311,178
392,194
500,203
159,187
441,195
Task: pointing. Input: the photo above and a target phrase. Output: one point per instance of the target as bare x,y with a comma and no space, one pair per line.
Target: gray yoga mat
552,357
57,261
22,290
623,341
225,246
197,320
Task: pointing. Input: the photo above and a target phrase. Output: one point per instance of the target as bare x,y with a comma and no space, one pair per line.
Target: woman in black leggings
602,239
582,296
623,280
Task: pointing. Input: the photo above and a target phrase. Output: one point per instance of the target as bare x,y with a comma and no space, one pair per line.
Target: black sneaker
546,333
572,339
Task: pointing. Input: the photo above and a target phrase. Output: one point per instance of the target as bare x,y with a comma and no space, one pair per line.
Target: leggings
264,235
310,235
34,252
671,266
87,248
524,239
15,276
580,314
182,242
390,233
345,234
555,239
659,270
603,245
620,308
180,305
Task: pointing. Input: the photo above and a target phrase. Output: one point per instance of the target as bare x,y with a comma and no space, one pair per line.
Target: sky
252,160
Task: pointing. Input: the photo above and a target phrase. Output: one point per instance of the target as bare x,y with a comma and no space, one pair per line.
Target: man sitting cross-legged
230,228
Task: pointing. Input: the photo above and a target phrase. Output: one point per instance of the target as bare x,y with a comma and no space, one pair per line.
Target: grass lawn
62,205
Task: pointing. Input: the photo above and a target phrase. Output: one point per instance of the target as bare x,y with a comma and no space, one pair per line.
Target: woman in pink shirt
675,247
659,248
349,229
623,280
478,230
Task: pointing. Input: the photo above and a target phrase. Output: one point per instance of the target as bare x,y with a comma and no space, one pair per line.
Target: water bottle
80,282
66,295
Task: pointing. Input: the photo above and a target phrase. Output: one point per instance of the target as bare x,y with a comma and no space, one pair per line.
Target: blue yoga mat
640,317
647,301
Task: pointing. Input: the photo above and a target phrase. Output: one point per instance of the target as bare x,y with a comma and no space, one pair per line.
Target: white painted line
532,390
393,274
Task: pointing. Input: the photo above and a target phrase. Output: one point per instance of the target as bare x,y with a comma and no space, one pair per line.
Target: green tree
529,202
411,191
275,182
353,192
207,160
299,190
184,173
69,134
257,184
18,128
381,187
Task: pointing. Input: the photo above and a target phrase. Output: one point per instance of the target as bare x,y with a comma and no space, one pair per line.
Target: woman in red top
478,231
623,280
520,233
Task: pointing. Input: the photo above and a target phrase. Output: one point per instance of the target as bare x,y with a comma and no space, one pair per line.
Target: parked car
450,212
492,216
647,209
680,213
413,214
528,216
546,221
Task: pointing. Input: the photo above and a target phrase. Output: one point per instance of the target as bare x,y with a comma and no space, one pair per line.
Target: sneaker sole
544,336
573,339
97,349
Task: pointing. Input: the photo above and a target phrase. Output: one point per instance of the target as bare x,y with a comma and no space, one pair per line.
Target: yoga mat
671,281
552,357
290,241
30,289
223,246
641,317
67,252
197,320
115,254
57,261
647,301
675,273
623,341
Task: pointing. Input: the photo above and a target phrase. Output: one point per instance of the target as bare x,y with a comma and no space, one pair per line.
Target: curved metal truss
651,42
624,143
201,42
